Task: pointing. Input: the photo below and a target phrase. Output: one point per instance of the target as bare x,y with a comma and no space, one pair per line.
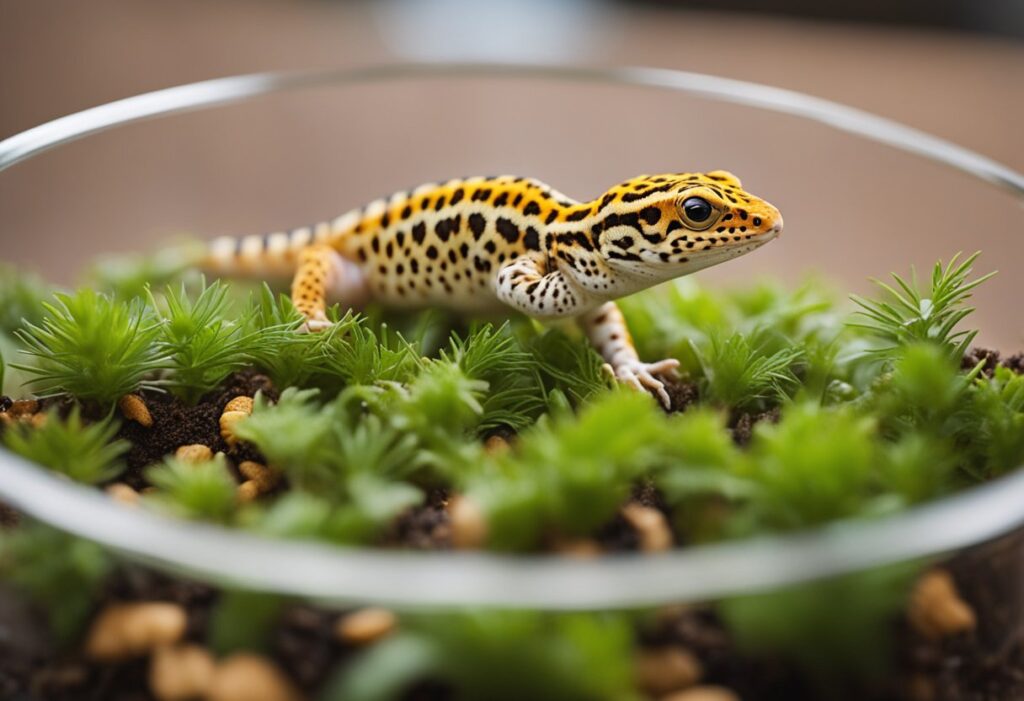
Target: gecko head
664,226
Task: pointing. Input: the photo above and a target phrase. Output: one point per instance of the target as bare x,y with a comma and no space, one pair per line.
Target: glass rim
333,573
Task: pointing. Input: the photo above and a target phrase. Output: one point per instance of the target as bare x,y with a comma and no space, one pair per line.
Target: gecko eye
697,212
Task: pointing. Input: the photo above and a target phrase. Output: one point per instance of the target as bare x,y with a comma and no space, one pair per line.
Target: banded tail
276,253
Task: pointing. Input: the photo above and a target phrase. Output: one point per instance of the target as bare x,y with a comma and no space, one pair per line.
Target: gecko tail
272,254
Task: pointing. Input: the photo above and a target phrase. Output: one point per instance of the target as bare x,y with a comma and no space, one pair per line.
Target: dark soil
176,424
988,664
304,644
9,518
743,428
699,630
992,360
619,535
423,527
682,394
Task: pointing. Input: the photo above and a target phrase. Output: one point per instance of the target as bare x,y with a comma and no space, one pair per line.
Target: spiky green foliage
60,573
204,490
21,298
498,655
513,396
84,452
568,366
907,314
740,372
682,319
991,426
351,467
202,342
568,476
92,346
381,408
289,357
815,465
358,355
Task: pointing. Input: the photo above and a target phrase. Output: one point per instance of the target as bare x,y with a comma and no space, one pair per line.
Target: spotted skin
489,243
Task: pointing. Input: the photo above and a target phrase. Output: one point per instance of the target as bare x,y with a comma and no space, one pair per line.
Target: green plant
908,315
353,465
991,426
126,277
84,452
204,490
739,373
513,397
92,347
837,630
60,573
289,357
21,298
498,655
816,465
570,475
202,344
568,366
242,620
357,355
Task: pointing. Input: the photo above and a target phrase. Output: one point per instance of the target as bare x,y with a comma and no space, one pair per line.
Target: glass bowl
862,195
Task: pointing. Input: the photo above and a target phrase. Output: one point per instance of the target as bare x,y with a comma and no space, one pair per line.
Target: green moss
868,414
93,347
498,655
84,452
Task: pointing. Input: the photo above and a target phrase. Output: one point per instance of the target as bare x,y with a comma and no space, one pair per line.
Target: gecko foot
642,376
316,324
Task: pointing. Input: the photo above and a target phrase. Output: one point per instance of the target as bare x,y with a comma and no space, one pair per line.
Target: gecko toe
315,326
666,368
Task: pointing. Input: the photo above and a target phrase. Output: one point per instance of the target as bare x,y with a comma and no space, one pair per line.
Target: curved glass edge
223,91
335,574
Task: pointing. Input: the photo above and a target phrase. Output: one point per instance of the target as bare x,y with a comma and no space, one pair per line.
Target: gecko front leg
322,272
527,286
607,331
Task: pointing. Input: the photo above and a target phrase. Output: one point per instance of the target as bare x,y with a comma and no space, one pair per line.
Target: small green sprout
569,476
353,465
357,355
21,298
498,655
816,465
203,344
204,490
84,452
739,373
569,366
909,315
289,357
92,347
513,397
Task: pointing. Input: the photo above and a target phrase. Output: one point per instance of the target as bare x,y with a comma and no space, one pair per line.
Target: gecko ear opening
725,176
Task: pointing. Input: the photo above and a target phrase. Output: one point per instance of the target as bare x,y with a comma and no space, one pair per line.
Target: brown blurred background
955,69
